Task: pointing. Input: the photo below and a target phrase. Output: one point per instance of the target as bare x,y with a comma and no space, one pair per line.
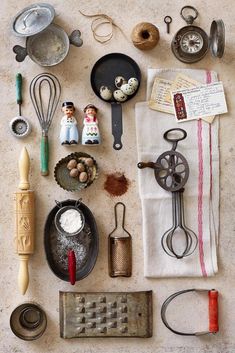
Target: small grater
120,250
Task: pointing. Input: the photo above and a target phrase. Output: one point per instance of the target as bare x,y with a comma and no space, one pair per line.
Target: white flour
70,221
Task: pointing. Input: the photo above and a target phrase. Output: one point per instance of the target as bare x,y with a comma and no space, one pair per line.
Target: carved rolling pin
24,216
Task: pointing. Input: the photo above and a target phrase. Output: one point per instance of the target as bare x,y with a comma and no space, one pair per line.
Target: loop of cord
102,19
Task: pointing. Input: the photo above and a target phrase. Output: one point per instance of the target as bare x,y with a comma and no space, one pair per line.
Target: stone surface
74,74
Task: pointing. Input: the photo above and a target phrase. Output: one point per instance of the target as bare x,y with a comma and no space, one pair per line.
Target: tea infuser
120,257
213,312
171,173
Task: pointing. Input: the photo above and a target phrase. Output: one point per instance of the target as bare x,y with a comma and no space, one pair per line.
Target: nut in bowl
76,171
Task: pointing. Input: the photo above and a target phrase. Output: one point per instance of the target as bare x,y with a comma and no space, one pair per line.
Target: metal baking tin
52,248
28,321
105,314
65,181
47,44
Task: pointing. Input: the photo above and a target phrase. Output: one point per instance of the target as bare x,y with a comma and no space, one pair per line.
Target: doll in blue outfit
69,131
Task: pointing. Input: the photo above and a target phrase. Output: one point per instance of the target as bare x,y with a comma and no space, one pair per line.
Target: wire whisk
45,90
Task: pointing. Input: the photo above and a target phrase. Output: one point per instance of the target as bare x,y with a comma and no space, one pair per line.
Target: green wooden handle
44,155
19,88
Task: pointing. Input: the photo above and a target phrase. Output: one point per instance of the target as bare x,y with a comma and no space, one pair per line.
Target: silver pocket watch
190,43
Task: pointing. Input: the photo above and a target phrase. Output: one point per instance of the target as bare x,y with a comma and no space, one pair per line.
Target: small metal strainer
59,214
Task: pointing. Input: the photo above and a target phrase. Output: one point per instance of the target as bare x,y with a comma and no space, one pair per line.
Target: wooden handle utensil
24,216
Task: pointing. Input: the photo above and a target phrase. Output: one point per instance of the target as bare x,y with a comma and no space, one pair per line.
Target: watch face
191,42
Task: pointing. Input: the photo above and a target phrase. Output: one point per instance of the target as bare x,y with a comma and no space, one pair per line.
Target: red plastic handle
213,311
72,266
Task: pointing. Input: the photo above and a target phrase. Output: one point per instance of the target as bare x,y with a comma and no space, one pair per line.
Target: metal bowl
49,47
57,220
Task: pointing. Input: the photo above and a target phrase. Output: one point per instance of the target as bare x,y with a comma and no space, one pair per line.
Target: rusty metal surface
105,314
120,256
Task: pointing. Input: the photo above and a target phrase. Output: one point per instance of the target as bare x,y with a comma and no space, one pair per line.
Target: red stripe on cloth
200,184
210,142
200,198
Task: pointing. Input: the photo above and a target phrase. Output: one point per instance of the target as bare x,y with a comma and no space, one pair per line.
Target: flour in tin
71,221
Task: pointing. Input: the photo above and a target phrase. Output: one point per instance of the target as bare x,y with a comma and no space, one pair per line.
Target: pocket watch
190,43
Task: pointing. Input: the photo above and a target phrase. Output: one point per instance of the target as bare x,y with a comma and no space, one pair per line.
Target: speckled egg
105,93
119,81
128,89
119,96
133,82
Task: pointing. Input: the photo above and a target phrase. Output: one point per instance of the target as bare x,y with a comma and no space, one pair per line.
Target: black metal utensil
171,173
104,72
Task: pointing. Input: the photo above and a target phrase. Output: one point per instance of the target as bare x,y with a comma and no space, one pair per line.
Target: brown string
104,19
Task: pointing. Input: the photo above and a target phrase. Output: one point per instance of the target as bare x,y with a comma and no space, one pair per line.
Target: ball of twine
145,36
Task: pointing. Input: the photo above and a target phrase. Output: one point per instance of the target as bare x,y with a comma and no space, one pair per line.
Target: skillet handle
117,125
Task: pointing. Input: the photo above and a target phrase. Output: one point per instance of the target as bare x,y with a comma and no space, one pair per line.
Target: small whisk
45,90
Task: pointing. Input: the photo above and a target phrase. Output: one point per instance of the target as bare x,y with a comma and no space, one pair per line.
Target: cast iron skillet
50,235
103,74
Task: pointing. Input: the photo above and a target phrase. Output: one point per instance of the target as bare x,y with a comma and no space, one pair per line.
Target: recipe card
199,102
157,100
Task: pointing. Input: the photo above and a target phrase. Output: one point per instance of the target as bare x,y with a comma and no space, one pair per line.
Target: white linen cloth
201,195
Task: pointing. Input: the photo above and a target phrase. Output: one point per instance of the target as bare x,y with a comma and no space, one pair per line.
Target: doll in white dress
90,133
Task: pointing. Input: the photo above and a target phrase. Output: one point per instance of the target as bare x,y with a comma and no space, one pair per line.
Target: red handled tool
213,312
72,266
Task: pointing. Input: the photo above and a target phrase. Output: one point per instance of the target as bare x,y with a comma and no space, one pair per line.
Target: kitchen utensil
72,266
85,246
24,213
171,173
19,126
103,73
168,20
120,257
47,44
61,211
213,312
190,43
65,181
106,314
45,87
28,321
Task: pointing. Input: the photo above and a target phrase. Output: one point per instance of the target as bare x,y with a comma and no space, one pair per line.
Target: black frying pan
103,74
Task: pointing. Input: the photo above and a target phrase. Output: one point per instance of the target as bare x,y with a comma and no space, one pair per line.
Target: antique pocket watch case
190,43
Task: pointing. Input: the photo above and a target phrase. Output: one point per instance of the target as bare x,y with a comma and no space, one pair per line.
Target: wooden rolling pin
24,216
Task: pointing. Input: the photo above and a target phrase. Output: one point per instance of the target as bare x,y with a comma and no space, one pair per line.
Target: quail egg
119,81
105,93
133,82
119,96
128,89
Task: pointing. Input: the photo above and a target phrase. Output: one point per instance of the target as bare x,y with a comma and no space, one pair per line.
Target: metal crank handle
152,165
